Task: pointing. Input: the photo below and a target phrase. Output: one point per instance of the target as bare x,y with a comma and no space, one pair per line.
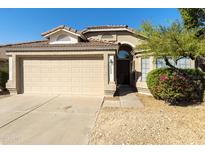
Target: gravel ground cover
156,123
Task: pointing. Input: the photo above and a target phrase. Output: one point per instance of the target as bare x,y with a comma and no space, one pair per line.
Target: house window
145,68
122,54
63,38
160,63
182,63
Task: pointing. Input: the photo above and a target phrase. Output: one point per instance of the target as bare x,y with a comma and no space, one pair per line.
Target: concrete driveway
26,119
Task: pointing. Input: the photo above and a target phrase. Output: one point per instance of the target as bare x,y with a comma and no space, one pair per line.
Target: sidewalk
127,98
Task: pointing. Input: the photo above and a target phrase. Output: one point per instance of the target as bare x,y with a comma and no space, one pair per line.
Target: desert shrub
176,88
3,76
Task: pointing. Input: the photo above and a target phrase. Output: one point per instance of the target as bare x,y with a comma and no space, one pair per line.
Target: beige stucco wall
127,38
120,37
96,35
132,40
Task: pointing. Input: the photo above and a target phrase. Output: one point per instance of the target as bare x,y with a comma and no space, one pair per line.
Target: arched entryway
124,65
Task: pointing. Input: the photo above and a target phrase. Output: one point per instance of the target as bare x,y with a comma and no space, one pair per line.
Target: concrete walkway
127,98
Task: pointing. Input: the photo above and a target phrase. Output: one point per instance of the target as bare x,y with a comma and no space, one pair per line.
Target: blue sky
18,25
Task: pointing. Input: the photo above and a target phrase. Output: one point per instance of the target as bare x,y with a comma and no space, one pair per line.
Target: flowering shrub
164,77
175,88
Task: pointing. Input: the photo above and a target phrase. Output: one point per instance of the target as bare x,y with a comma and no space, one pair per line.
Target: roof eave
58,49
51,33
64,28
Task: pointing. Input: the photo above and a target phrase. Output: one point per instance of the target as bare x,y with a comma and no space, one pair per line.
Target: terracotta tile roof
44,45
23,43
64,27
59,27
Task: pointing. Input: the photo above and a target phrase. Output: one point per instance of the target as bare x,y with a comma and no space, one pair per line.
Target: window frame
147,69
64,36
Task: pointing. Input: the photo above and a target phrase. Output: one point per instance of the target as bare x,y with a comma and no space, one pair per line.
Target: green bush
176,88
3,76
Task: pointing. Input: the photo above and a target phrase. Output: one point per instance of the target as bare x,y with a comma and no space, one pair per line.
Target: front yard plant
173,84
177,88
3,76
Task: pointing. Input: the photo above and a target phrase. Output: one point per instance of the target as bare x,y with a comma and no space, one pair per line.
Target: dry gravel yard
156,123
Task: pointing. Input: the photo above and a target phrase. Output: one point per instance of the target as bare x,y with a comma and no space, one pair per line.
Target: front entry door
123,72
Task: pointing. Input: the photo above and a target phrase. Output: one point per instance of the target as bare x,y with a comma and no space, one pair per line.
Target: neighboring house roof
44,45
63,27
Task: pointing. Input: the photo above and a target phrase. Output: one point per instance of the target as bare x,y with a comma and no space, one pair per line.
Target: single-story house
93,61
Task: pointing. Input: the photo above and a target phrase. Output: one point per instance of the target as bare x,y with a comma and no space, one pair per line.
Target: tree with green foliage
174,41
193,17
174,85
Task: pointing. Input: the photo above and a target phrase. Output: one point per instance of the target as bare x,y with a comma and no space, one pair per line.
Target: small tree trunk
175,69
200,63
169,64
183,73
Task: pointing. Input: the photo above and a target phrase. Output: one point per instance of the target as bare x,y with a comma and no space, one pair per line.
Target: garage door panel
80,75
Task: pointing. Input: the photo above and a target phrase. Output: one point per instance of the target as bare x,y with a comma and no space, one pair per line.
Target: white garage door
71,76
